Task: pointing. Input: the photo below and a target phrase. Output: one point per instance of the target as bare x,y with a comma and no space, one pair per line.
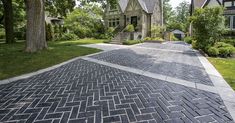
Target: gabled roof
123,4
203,3
198,3
147,5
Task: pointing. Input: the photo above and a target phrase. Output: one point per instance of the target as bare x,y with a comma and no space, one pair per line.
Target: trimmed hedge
213,51
221,49
132,42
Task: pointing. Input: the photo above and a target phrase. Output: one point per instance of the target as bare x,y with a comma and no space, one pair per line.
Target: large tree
167,11
35,34
59,7
183,12
8,20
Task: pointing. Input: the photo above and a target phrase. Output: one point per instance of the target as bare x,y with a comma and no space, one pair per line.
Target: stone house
142,14
229,12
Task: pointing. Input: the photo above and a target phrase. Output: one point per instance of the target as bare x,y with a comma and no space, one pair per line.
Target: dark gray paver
83,91
184,65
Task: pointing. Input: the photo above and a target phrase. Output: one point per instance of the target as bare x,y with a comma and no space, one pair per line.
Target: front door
134,21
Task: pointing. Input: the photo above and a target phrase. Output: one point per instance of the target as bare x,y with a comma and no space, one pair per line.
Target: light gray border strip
155,76
221,86
24,76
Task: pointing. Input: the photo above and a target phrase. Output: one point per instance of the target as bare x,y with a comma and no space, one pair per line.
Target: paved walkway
149,82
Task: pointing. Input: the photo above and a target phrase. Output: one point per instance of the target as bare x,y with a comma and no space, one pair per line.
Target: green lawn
14,61
227,68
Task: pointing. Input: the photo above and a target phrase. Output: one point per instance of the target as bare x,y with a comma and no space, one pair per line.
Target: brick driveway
87,91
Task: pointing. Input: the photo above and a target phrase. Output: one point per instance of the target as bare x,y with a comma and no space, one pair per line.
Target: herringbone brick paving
83,91
184,65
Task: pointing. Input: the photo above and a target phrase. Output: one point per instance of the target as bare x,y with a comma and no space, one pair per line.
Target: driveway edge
222,87
24,76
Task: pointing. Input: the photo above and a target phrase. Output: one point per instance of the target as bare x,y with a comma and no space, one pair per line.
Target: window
227,21
228,4
233,22
114,22
230,21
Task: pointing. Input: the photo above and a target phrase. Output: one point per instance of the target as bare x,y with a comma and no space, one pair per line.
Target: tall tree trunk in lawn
8,20
35,34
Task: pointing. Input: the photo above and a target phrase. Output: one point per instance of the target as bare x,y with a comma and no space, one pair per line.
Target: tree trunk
36,33
8,22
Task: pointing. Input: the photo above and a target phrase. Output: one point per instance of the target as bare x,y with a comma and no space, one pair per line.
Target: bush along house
142,14
229,11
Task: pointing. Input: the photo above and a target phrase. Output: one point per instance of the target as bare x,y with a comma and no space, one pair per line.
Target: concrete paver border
221,86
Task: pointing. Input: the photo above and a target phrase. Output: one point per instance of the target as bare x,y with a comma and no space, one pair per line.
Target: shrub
130,28
229,41
157,31
226,51
147,39
195,44
68,36
188,40
109,33
157,39
222,44
213,51
49,32
20,35
132,42
107,41
174,38
2,33
208,25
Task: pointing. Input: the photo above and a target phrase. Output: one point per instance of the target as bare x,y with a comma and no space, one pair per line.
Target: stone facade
140,13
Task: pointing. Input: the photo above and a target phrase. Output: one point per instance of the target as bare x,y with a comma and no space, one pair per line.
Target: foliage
157,39
227,68
167,11
213,51
229,41
195,44
68,37
225,50
157,31
132,42
49,32
130,28
172,25
107,41
22,62
2,33
173,38
188,40
60,8
178,19
147,39
85,22
153,39
208,25
109,33
183,12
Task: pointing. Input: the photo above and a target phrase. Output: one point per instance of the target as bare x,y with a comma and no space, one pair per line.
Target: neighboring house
229,12
140,13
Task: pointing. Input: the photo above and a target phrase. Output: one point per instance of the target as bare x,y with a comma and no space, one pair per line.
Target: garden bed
154,41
